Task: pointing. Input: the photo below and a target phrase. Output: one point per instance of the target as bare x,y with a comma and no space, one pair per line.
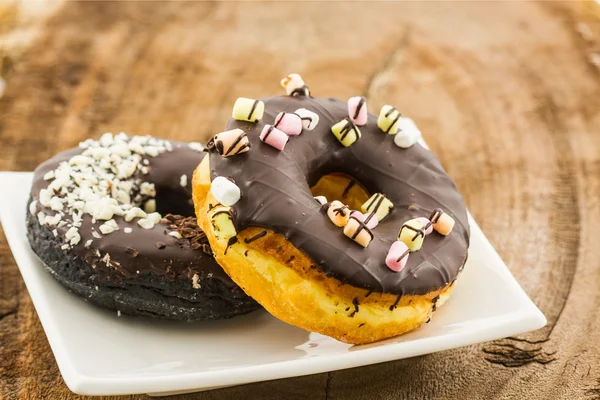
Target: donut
112,220
377,272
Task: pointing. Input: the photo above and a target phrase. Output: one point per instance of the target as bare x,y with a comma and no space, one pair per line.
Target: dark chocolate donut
86,225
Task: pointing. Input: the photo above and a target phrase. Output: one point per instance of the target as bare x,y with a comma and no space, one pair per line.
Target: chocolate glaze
143,251
276,194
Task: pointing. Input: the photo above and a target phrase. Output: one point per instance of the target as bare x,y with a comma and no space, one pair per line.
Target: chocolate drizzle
391,110
347,189
418,231
253,109
360,105
406,252
255,237
307,118
435,215
349,127
393,306
302,90
276,196
355,304
379,198
341,210
396,119
362,225
371,215
278,119
232,240
235,143
268,132
434,301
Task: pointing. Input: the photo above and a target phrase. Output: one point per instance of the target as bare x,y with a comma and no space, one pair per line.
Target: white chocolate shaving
109,227
41,217
72,236
196,147
102,182
56,204
33,207
45,196
150,206
52,221
175,234
196,281
148,189
135,212
154,217
145,223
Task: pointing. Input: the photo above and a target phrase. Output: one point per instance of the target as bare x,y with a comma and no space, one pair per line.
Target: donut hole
342,187
176,201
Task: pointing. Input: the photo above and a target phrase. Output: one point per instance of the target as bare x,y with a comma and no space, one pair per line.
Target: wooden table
508,96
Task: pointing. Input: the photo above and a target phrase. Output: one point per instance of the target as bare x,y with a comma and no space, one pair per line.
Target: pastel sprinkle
294,85
346,132
310,120
357,110
358,231
289,123
321,199
378,204
397,256
442,222
230,143
412,234
388,119
427,224
248,109
274,137
369,219
338,213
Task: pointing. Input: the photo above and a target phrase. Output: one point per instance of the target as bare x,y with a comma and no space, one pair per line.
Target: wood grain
508,96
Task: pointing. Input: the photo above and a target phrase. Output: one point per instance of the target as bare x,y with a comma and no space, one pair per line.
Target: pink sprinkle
426,222
274,137
371,223
397,256
289,123
357,110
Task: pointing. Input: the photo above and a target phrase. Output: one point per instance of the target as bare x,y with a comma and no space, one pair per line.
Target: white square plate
101,354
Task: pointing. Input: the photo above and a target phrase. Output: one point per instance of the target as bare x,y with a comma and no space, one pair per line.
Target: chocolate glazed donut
277,189
86,225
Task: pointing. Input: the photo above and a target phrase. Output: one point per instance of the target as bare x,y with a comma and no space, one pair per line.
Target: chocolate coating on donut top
276,194
132,250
